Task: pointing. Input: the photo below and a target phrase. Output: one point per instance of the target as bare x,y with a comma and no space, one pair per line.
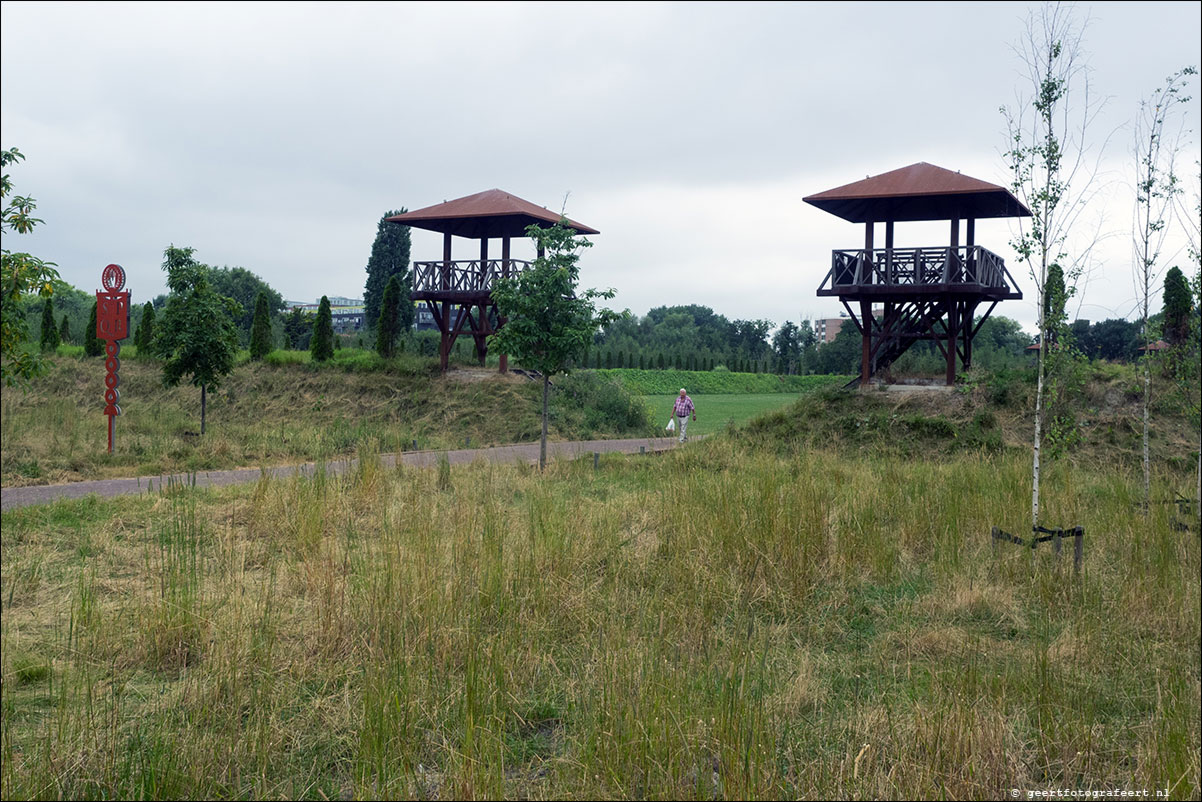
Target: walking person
682,409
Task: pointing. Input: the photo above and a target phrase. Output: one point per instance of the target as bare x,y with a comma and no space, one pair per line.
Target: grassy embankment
284,410
811,609
288,409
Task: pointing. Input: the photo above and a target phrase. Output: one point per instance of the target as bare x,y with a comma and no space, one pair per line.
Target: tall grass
286,410
714,622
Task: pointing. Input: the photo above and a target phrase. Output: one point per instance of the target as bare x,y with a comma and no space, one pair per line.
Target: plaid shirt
683,407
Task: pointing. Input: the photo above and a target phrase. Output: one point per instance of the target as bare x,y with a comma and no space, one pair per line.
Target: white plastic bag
671,427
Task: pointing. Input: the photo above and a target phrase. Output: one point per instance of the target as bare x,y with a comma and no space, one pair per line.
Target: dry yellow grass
714,622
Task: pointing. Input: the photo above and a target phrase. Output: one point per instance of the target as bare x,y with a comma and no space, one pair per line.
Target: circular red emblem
113,278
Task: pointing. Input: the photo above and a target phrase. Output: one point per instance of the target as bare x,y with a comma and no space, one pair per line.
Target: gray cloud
274,136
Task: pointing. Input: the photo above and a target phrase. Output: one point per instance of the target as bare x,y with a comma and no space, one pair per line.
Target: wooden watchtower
926,293
459,292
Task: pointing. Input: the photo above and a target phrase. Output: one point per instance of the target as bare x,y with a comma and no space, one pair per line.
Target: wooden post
444,349
865,342
866,277
970,309
1078,548
481,333
446,262
889,252
951,343
504,358
970,242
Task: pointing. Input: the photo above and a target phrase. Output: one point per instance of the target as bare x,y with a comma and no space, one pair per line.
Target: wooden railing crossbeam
464,275
917,267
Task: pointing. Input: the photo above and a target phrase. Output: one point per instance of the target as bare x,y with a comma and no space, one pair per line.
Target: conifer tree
1178,304
144,339
260,329
92,345
322,344
389,257
389,325
49,330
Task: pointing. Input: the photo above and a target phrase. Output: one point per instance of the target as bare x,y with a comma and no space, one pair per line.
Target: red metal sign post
112,326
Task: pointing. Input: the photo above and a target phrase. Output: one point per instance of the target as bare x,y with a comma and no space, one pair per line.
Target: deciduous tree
549,323
197,336
245,287
786,346
1156,186
1052,165
21,274
298,329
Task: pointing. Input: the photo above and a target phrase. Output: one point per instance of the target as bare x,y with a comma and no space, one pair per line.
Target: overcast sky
273,136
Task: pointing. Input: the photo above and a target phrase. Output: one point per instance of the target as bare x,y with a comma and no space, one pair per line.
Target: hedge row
665,382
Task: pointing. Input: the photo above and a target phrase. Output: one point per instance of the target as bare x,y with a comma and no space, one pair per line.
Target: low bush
602,404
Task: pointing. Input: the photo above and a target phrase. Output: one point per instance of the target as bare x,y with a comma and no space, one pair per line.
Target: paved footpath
11,497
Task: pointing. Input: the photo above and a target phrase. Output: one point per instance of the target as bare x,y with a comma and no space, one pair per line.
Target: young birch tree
1053,171
1156,187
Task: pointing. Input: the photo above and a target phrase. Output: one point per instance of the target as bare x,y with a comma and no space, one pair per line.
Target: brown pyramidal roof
492,213
919,192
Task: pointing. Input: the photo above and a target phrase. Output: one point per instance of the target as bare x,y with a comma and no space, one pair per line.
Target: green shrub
604,404
984,432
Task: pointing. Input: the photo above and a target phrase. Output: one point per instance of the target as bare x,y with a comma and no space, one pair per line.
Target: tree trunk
1147,454
542,449
1038,421
202,409
1147,387
1043,349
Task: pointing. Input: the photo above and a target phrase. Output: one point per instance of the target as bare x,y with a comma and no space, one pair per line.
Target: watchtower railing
916,267
470,276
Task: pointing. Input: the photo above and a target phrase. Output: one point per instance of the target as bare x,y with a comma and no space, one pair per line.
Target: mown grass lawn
716,412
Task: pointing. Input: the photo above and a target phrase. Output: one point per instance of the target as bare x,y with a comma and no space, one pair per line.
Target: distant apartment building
347,313
828,328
